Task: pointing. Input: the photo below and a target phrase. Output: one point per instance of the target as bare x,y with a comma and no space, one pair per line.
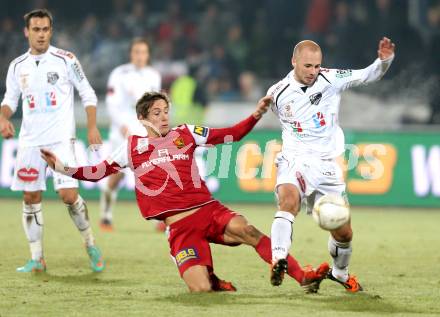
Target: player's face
306,66
158,116
39,34
139,55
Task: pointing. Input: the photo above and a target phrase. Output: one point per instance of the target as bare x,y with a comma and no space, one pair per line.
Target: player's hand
125,131
49,157
262,106
6,128
94,137
386,48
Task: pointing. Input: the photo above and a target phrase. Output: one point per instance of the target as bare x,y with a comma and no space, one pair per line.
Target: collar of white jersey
294,84
50,49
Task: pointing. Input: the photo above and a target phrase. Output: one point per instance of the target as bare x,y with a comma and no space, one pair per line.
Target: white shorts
31,170
314,177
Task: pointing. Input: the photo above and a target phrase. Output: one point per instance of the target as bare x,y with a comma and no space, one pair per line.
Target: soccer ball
331,212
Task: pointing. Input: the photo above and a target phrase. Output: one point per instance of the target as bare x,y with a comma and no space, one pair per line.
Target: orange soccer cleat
351,285
313,277
219,285
106,225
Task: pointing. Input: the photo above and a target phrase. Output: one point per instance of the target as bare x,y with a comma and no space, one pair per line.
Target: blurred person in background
126,84
189,102
249,87
45,78
188,97
433,61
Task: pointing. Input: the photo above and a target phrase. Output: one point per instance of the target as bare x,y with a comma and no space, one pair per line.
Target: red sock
264,250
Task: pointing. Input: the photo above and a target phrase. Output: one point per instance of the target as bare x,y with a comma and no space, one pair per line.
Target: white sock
79,214
107,201
33,228
341,253
281,234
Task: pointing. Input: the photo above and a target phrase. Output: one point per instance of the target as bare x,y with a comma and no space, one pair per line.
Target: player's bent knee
343,234
290,205
199,287
251,232
31,197
68,197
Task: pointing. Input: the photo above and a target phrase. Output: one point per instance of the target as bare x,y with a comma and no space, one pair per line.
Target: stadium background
239,48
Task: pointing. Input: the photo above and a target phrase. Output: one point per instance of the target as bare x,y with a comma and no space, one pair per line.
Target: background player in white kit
307,103
45,77
126,84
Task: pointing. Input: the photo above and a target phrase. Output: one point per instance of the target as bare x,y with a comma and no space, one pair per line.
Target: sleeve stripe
276,100
20,62
59,57
324,77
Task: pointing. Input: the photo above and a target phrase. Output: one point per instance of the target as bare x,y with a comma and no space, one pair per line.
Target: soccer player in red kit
169,188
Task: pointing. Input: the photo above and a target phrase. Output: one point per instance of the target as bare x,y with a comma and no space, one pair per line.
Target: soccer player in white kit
45,77
126,84
307,103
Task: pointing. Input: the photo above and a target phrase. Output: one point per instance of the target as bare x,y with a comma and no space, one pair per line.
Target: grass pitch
396,257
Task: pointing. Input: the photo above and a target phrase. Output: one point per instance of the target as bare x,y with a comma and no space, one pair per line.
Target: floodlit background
237,50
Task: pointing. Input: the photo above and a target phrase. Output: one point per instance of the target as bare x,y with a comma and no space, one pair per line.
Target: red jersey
167,177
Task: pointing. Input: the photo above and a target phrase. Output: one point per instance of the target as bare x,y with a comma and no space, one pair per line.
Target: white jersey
309,115
47,94
126,85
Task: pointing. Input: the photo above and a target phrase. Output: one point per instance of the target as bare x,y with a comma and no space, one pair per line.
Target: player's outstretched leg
33,228
79,214
339,246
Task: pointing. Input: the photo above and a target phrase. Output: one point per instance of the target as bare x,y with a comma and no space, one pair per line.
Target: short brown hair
37,13
147,100
138,40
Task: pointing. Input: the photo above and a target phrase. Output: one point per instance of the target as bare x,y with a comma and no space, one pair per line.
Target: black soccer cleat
277,271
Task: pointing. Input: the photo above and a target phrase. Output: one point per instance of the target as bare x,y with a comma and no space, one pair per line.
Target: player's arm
203,135
88,98
6,126
9,104
117,161
343,79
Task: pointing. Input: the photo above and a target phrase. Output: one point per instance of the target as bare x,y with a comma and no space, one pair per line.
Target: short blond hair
306,44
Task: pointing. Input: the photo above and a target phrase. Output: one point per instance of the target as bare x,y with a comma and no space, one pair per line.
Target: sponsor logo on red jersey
202,131
28,174
179,142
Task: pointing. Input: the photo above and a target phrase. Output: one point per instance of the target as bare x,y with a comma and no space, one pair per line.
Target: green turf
396,257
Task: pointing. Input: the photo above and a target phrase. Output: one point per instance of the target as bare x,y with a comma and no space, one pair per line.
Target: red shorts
190,237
